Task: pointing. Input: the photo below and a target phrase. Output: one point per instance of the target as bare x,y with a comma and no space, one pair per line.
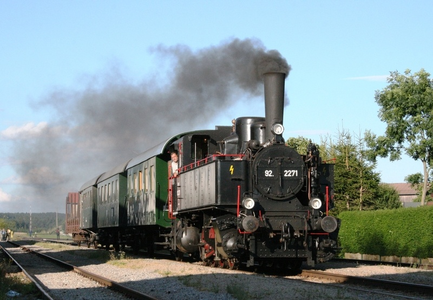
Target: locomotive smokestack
274,100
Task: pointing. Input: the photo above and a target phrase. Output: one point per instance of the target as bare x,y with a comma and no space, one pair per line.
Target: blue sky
56,54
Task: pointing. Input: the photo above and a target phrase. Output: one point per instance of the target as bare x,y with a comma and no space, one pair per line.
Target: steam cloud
111,120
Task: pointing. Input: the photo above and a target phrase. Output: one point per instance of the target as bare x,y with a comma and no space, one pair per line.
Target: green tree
387,197
4,223
300,144
417,182
406,105
356,183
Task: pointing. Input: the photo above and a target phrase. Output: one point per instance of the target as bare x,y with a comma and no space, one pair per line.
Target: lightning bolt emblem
232,169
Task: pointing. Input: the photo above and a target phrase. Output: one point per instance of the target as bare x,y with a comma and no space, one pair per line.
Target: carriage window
146,180
140,180
135,183
105,193
151,178
130,182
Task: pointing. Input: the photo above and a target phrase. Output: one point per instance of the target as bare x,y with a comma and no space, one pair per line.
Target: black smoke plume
110,120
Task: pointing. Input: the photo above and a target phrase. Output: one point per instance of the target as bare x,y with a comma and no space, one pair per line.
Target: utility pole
30,225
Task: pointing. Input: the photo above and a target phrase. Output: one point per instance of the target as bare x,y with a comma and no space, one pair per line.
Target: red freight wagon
72,213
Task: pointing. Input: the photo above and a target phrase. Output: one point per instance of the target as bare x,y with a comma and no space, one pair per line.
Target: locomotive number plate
287,173
290,173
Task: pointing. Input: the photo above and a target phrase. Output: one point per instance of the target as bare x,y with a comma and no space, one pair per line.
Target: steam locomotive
241,196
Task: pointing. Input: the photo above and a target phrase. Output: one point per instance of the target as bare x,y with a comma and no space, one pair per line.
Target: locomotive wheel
232,264
178,255
137,245
207,263
295,265
218,263
269,264
151,249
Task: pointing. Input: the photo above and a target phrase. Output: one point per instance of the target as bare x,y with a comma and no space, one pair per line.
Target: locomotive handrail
209,159
333,160
171,216
327,200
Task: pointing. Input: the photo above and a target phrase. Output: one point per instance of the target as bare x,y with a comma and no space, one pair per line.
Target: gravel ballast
169,279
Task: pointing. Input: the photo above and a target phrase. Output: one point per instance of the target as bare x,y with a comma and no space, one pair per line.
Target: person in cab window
173,164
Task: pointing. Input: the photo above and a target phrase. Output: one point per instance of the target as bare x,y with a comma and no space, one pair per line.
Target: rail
370,282
100,279
38,286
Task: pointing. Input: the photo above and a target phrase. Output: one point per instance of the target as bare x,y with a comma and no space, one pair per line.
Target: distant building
406,193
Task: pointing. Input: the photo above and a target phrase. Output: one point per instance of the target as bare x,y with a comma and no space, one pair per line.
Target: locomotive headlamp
277,129
248,203
315,203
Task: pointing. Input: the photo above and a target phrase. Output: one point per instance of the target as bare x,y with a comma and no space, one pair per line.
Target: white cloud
28,130
4,197
370,78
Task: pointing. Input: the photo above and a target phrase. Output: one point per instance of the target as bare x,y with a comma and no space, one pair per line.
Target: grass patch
99,255
53,246
165,273
118,259
12,280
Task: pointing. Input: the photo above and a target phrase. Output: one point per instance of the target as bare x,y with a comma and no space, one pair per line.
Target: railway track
395,286
338,260
378,287
390,263
40,264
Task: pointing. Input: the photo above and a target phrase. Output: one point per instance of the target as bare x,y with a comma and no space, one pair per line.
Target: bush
400,232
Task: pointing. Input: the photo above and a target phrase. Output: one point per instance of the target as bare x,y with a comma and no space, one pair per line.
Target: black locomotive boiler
241,196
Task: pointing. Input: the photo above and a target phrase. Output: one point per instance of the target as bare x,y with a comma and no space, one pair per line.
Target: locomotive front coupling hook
285,234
